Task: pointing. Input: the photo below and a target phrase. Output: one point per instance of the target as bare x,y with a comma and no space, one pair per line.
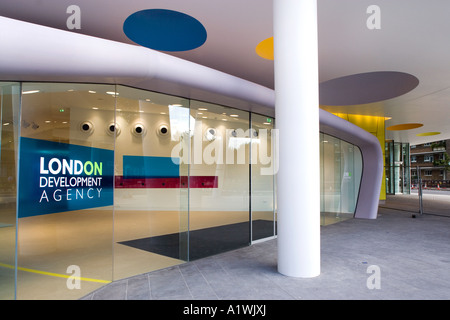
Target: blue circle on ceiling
164,30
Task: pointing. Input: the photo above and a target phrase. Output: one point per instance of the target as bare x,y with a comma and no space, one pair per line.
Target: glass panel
351,168
65,190
389,167
9,127
219,180
397,168
151,195
331,173
406,169
263,170
341,169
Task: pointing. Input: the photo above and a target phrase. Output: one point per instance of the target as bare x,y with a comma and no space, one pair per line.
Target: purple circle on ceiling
365,88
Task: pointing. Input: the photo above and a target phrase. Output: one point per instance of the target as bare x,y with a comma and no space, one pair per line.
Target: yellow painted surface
376,126
265,49
426,134
405,126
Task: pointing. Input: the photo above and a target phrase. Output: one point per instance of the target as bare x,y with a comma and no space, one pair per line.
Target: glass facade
102,182
397,168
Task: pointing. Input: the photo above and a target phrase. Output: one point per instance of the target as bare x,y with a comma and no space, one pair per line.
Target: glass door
263,170
219,180
151,181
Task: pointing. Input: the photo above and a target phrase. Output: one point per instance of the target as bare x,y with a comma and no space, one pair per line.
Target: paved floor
409,258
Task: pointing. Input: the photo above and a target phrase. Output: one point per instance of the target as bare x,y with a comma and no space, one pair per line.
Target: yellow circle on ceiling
405,126
265,49
426,134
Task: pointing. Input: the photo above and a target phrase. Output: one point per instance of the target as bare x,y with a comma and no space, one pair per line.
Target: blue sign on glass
57,177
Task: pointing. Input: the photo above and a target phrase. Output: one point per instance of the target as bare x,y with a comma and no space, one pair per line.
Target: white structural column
297,121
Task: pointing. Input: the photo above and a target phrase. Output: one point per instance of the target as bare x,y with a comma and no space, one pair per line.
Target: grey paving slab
412,256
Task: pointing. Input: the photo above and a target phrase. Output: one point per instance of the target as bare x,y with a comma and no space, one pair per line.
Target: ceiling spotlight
90,91
234,115
202,109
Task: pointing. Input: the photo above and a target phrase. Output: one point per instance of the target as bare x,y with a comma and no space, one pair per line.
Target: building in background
432,161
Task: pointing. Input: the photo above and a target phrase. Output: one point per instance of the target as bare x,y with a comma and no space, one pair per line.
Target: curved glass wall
115,181
340,176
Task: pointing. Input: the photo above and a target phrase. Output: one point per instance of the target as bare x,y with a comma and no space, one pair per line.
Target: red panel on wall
181,182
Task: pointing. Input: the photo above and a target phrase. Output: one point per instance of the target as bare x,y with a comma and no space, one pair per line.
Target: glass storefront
115,181
397,168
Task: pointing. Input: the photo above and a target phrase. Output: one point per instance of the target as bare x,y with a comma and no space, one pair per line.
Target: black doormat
204,242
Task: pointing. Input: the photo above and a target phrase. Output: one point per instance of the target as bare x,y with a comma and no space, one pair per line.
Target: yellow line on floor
53,274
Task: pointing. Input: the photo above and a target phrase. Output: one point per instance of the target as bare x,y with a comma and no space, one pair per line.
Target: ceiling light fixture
31,91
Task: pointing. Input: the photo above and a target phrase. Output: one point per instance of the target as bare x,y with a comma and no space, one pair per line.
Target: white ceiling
414,38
